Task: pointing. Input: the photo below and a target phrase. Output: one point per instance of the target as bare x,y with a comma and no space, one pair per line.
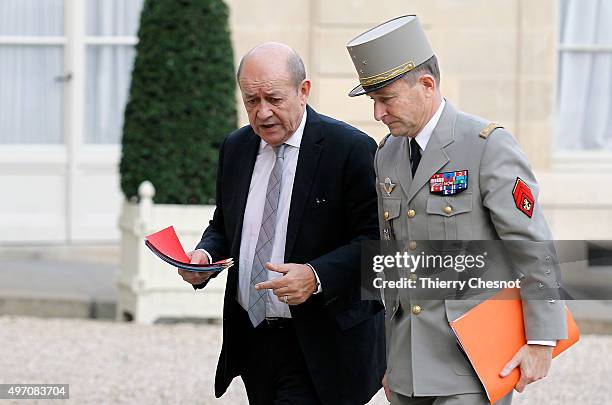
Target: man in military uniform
487,192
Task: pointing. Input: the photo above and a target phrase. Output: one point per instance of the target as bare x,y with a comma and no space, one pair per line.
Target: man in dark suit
295,197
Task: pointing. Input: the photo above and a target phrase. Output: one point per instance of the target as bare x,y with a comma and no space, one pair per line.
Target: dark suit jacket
333,208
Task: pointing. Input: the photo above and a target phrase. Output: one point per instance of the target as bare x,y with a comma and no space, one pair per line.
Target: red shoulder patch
523,198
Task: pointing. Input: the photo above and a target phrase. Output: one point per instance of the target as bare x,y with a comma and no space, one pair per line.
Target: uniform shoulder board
486,131
382,142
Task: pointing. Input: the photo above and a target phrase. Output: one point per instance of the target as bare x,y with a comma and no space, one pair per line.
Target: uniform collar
424,135
294,140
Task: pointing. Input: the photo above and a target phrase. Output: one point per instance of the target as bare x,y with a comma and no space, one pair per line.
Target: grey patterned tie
263,249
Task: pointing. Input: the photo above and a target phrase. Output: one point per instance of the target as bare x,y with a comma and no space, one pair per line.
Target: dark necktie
415,155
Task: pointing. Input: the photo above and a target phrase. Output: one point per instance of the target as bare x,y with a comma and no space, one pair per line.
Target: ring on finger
286,299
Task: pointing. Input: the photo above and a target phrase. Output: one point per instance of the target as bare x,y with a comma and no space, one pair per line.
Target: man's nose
265,111
379,111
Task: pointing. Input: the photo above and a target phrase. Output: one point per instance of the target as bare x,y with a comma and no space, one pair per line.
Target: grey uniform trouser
461,399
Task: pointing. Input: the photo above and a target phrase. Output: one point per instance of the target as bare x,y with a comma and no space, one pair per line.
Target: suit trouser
275,371
461,399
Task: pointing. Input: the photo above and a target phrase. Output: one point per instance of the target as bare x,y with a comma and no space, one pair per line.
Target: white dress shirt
253,216
422,138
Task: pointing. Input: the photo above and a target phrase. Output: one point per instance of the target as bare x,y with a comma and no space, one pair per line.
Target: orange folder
492,332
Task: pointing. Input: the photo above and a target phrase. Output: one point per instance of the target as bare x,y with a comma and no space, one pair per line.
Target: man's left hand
298,282
534,362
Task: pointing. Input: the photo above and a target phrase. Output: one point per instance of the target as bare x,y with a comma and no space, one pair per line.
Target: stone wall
497,57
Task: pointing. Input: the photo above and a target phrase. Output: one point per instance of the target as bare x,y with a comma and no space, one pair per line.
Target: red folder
166,245
491,333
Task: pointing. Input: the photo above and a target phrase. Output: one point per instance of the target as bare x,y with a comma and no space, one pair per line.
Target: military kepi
385,53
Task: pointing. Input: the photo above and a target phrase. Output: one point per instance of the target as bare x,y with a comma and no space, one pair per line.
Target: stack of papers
166,245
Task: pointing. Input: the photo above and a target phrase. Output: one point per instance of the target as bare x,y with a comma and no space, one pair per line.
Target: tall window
31,68
585,76
111,28
33,39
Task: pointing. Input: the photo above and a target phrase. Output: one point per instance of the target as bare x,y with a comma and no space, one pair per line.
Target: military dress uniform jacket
423,357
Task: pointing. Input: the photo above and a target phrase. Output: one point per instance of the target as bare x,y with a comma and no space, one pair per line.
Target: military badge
448,183
386,234
522,197
387,186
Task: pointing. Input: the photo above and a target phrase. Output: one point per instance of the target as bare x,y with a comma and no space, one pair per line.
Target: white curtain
109,67
585,78
30,97
32,17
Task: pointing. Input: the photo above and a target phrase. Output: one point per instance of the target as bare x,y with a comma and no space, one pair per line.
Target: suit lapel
434,157
305,173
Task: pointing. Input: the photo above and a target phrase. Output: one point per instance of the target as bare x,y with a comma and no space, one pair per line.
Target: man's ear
429,83
304,90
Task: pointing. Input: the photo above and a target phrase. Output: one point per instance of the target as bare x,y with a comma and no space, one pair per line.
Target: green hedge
181,102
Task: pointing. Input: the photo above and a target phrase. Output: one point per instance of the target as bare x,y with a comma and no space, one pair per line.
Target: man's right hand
192,277
386,387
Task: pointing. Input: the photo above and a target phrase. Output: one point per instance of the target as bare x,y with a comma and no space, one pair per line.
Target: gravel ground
120,363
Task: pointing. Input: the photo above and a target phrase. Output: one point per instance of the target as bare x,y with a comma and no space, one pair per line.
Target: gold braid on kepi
390,74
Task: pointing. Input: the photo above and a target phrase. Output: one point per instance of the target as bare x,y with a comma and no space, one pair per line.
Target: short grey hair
295,67
430,66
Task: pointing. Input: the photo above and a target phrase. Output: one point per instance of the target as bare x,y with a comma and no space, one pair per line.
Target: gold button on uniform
416,309
386,215
448,209
412,245
413,277
411,213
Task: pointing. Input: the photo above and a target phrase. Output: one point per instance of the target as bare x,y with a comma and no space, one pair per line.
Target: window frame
73,156
567,158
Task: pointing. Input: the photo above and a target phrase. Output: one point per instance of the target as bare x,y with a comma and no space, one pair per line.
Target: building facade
542,69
